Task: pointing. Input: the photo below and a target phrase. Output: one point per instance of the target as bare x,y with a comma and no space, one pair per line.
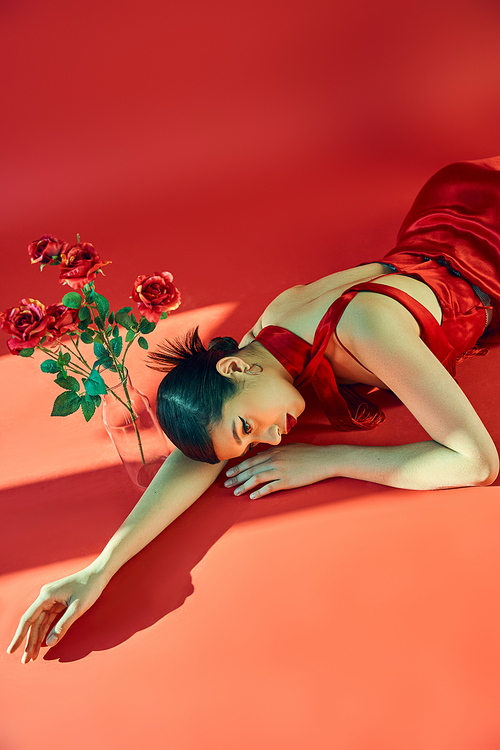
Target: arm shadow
75,516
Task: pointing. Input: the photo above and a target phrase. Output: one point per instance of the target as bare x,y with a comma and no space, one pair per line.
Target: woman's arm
176,486
381,334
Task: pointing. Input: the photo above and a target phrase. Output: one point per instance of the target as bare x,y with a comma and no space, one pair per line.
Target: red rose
155,294
27,323
46,249
79,265
61,320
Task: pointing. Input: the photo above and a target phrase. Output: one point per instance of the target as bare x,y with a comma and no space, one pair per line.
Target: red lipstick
290,422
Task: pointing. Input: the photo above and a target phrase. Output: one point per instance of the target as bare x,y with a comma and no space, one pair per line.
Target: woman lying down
399,323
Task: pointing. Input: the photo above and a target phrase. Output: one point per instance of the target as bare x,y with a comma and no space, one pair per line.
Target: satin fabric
455,219
450,239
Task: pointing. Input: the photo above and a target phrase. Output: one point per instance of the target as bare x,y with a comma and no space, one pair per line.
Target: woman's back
301,308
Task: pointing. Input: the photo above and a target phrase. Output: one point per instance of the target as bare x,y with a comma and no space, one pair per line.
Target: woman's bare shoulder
275,312
299,308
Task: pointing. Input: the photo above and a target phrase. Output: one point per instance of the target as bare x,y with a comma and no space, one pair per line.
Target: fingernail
228,483
253,496
237,492
51,640
229,472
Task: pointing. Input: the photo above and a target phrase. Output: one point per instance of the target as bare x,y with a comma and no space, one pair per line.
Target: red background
245,148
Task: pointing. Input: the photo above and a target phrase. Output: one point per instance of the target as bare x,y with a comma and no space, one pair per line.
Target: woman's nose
274,435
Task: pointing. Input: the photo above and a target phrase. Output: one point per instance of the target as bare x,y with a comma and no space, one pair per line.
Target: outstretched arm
176,486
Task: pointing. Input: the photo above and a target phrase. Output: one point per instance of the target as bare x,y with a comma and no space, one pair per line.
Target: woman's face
257,414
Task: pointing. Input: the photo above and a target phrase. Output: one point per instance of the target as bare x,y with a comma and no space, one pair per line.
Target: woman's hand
280,468
71,596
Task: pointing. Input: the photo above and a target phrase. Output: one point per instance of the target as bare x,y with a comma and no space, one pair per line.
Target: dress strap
345,409
430,330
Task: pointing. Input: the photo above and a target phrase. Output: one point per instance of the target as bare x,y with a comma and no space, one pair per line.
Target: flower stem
78,353
71,367
122,373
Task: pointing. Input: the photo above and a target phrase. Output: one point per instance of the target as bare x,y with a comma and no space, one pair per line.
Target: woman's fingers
41,635
267,489
251,478
32,639
45,626
279,468
39,606
41,626
72,613
59,604
38,631
250,463
245,476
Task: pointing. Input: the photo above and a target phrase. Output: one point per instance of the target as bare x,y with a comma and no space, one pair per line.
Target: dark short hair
192,394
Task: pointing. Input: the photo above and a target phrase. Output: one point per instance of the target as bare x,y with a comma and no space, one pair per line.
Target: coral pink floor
245,148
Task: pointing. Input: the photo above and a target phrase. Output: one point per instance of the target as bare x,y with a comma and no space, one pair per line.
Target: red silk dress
450,240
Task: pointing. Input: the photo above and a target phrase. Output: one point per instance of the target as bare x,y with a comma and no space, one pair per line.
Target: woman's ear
231,367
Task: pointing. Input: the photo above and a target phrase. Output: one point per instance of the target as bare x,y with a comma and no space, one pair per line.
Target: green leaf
68,382
116,332
130,336
100,350
102,305
44,338
49,365
117,345
72,300
134,320
146,326
96,400
94,384
66,403
84,313
105,362
26,352
164,316
88,407
111,318
98,339
66,357
87,337
83,325
142,342
123,319
124,310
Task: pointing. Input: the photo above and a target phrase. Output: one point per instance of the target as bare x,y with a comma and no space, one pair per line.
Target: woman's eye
246,427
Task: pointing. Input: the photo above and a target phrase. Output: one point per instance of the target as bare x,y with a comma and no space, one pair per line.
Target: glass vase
134,430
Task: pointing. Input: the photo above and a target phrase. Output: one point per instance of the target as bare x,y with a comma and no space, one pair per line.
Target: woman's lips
290,422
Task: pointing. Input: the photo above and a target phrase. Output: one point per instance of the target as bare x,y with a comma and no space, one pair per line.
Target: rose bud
46,250
27,323
155,294
79,265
